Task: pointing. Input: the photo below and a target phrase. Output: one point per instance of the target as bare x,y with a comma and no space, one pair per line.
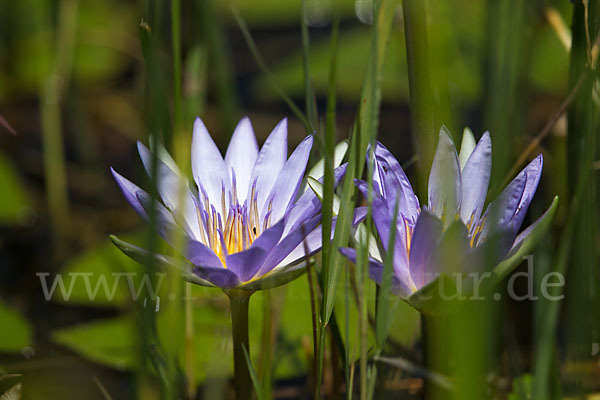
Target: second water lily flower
454,217
243,225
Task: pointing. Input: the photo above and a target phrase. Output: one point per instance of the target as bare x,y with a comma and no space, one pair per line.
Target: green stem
239,301
53,91
419,85
437,353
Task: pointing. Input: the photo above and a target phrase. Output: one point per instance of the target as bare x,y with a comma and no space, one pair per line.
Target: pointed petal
169,182
269,163
427,232
130,190
201,255
247,263
292,241
288,182
382,216
393,183
220,277
540,225
314,240
475,180
500,212
533,172
444,180
339,153
208,167
276,278
241,156
527,242
467,146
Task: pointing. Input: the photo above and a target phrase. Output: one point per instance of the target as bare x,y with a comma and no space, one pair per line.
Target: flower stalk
239,301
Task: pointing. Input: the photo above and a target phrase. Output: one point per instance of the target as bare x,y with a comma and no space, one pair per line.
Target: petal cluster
243,220
454,216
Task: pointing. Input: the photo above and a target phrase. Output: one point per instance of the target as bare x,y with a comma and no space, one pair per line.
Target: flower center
239,230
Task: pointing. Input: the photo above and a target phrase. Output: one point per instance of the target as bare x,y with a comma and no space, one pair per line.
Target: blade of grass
574,254
419,88
220,64
53,90
363,133
253,376
268,74
309,96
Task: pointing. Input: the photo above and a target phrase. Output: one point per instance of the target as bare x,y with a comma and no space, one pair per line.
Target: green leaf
141,256
439,297
112,342
19,335
94,278
15,205
277,278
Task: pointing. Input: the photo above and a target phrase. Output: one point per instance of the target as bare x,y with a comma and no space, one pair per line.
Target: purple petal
219,276
394,184
241,156
269,163
444,190
169,183
501,211
427,232
533,172
289,180
208,167
308,205
291,241
523,235
475,180
130,190
314,240
247,263
202,256
382,216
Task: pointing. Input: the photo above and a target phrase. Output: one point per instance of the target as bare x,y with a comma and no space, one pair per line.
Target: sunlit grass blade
420,91
255,381
309,95
268,74
574,258
52,121
412,368
384,301
363,133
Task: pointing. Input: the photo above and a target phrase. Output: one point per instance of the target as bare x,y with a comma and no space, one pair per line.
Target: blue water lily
454,216
244,224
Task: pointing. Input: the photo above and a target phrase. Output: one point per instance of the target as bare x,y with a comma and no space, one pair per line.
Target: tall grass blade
419,85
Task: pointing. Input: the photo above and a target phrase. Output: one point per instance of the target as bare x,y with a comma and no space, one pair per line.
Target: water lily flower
243,224
454,216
